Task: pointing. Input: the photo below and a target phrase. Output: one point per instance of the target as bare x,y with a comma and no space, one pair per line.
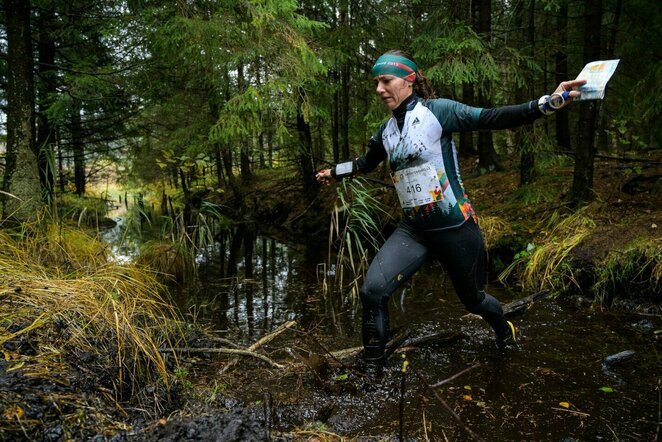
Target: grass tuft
546,265
115,312
634,271
355,227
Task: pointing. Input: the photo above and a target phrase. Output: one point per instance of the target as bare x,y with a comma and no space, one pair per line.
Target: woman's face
393,90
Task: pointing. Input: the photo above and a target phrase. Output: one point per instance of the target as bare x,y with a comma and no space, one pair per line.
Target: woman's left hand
324,177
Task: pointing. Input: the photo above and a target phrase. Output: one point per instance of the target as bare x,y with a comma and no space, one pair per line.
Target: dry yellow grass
105,308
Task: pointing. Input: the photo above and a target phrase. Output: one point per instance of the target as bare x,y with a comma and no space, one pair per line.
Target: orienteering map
597,74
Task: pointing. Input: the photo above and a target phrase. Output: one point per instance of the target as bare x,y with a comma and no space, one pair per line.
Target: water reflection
253,283
124,244
250,283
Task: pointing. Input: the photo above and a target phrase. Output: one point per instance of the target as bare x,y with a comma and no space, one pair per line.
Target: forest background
164,93
228,108
195,102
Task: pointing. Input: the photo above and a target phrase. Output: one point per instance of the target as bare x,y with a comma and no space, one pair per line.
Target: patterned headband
390,64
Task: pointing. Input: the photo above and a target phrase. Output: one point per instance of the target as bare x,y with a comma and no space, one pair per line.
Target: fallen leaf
607,390
565,404
13,412
466,397
467,387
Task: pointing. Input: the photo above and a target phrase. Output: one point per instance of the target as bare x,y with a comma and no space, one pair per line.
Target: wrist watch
550,103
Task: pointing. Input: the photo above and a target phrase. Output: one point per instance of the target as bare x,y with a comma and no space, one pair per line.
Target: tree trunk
244,153
60,163
467,146
487,156
467,138
582,183
306,162
21,177
603,141
344,85
344,114
561,62
524,135
78,148
335,118
48,87
218,163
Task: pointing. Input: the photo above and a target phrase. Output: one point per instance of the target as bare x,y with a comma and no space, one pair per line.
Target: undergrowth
634,271
115,312
355,231
547,263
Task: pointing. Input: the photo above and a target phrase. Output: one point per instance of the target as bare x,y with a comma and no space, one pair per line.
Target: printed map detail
597,74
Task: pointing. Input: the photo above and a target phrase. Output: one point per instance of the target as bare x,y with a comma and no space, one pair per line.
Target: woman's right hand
324,177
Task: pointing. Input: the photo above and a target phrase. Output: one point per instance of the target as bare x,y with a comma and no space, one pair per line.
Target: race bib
417,185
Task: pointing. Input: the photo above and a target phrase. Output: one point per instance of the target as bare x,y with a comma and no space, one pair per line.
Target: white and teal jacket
418,143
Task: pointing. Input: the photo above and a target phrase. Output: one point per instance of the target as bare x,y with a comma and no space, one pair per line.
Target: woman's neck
401,111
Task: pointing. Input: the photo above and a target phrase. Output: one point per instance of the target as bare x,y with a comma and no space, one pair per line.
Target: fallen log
617,358
520,306
401,341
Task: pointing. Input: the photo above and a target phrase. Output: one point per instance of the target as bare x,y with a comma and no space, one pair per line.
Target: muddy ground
48,394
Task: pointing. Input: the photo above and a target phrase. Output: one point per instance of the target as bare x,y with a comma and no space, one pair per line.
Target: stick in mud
225,351
420,377
259,343
455,376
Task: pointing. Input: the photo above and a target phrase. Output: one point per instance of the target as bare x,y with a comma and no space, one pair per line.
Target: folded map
597,74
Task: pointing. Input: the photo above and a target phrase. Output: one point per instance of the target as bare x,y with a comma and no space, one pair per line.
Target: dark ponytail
422,86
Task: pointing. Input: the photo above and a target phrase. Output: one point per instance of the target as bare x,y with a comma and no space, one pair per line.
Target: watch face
556,101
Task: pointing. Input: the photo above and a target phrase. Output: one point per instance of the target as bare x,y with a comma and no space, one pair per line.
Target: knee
474,304
371,295
487,304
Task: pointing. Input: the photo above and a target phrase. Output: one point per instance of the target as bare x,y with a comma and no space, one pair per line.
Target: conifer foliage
209,92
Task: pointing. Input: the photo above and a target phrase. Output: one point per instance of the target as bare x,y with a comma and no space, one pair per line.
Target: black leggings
461,252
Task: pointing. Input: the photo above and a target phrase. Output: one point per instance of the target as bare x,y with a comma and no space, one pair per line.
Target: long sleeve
509,116
375,154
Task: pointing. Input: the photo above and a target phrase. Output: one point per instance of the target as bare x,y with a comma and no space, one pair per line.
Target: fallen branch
400,341
225,341
455,376
473,435
227,351
579,413
319,344
620,159
271,336
346,352
260,342
355,351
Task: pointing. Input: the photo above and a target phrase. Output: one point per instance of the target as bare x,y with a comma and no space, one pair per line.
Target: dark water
552,388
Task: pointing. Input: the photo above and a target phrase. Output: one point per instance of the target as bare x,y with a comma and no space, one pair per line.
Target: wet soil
553,386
